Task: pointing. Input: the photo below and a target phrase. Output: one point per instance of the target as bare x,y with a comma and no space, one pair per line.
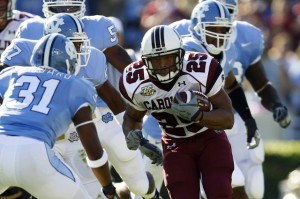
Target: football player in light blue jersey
249,42
38,105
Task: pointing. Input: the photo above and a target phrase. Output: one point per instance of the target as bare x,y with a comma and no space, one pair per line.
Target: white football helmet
7,10
73,28
55,51
159,41
75,7
212,14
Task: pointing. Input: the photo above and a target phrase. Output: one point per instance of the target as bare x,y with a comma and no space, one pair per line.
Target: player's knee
119,148
255,182
237,179
146,189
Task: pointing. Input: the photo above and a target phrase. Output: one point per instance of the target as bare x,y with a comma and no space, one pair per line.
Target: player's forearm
118,57
130,124
217,119
103,174
269,97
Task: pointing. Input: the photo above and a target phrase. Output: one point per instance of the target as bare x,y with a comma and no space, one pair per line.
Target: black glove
253,136
133,139
110,190
281,116
151,151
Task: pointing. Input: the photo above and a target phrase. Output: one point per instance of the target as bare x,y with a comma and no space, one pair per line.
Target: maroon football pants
206,155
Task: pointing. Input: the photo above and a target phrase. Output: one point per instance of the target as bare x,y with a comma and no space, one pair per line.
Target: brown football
193,98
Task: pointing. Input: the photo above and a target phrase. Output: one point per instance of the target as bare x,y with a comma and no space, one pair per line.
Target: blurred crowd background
278,19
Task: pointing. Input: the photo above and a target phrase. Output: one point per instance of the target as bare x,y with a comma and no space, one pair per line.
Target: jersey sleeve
215,78
82,93
251,44
96,70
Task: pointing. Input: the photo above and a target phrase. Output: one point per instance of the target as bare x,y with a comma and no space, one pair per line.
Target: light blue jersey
18,53
100,30
31,29
40,103
20,50
182,26
249,43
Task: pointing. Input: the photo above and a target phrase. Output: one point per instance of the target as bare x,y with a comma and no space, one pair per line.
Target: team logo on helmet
54,26
71,51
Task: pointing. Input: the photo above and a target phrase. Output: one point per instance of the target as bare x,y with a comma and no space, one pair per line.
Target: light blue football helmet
231,5
212,14
52,7
73,28
55,51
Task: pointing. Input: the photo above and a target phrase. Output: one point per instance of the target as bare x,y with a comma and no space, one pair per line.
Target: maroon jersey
200,72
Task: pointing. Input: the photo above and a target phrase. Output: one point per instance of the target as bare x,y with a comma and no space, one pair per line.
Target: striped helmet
56,51
160,41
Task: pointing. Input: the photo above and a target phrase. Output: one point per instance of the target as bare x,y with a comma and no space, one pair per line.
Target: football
193,98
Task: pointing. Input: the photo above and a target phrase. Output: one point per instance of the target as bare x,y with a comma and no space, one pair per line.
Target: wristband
97,163
120,117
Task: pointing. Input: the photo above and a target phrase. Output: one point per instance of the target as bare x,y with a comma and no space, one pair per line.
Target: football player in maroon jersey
194,143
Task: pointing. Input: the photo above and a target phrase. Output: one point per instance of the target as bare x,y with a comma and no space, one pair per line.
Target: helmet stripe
162,36
152,39
158,37
221,10
47,49
79,25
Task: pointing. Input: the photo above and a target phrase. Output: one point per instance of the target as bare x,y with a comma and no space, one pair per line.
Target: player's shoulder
199,63
181,22
23,42
8,71
95,52
96,19
134,75
34,21
244,26
190,43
